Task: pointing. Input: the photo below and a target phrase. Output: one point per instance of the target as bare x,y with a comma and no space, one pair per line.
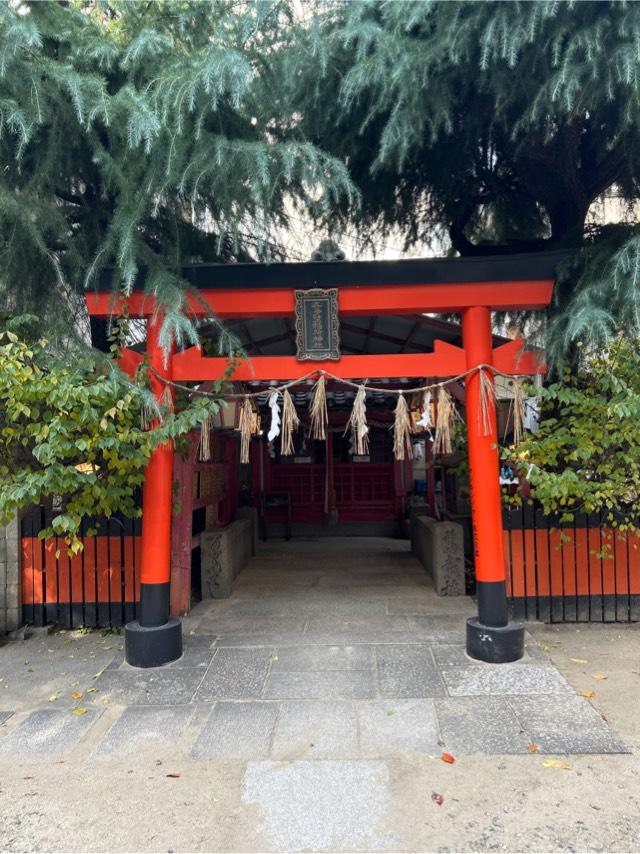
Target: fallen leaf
76,695
80,711
91,690
53,698
447,757
437,798
390,712
580,660
555,763
594,807
533,748
598,676
587,694
174,775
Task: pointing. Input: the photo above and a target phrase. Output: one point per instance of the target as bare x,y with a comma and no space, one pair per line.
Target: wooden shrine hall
360,330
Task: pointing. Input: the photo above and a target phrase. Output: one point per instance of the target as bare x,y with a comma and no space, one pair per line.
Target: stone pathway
329,649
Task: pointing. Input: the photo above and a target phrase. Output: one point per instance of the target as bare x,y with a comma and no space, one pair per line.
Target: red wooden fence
99,586
585,571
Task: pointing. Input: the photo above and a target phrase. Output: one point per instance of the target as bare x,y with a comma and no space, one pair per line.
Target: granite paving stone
381,623
359,636
321,806
394,724
4,716
239,730
426,603
312,658
235,674
408,671
438,629
454,655
534,651
480,725
315,730
48,732
138,726
335,685
195,653
230,623
158,686
504,680
566,725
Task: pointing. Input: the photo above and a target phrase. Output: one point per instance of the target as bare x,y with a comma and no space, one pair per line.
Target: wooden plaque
317,324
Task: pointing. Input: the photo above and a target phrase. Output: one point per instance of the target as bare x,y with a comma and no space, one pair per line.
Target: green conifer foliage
496,124
138,136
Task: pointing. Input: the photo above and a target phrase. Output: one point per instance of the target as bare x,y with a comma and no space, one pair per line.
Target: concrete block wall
10,593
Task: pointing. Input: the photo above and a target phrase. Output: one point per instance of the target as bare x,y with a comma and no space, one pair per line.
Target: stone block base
224,552
439,546
251,514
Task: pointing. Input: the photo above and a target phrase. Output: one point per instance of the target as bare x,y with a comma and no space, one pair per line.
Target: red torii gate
472,287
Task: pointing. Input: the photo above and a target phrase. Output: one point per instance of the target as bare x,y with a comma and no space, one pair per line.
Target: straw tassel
318,410
518,412
402,430
147,416
443,443
357,423
166,401
244,426
290,423
204,448
487,401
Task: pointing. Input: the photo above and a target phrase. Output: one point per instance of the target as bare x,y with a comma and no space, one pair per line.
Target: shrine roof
488,268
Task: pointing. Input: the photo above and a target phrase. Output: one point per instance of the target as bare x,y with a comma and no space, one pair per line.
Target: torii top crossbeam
473,287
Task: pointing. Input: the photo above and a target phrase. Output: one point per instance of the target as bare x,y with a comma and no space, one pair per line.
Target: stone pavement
332,659
327,650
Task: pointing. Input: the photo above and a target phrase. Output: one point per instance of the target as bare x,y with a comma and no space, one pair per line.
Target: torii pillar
155,638
491,636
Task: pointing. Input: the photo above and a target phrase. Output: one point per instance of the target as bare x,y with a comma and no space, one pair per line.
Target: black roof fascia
335,274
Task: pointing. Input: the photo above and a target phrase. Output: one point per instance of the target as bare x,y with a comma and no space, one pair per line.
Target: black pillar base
151,646
495,644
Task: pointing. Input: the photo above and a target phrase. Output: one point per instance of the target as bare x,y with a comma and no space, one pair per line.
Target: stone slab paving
486,725
236,674
239,730
332,652
309,659
408,671
391,725
316,730
322,806
4,716
566,725
47,732
337,685
504,680
139,726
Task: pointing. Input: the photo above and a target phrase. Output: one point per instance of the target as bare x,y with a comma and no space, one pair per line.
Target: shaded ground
310,712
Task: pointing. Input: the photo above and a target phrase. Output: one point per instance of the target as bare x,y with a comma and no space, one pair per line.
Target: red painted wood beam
512,358
446,360
353,300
